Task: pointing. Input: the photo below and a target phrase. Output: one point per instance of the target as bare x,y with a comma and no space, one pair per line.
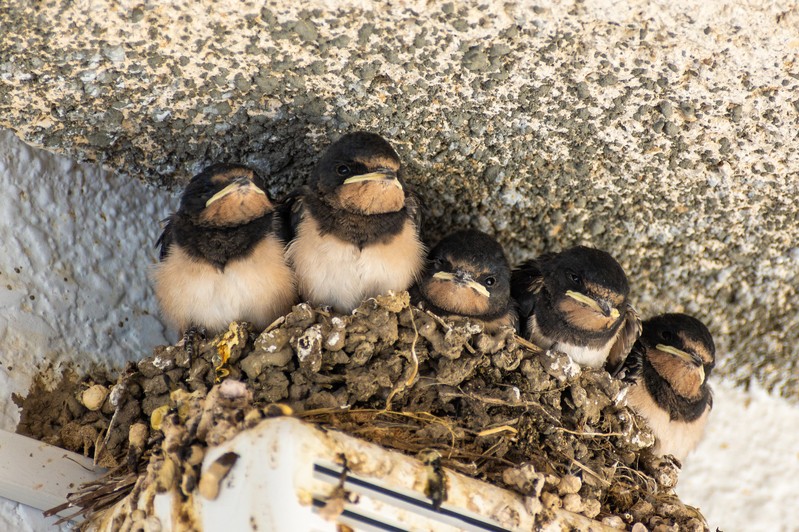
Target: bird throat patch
237,208
456,298
684,378
371,197
582,317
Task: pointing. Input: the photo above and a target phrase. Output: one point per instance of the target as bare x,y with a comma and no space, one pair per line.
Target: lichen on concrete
663,133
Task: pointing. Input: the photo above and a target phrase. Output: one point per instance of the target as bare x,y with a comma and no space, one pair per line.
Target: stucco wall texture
664,132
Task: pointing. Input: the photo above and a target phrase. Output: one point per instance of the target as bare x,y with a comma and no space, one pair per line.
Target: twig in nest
589,434
323,411
95,496
493,401
274,324
590,471
443,323
489,453
648,482
496,430
527,344
425,417
439,320
414,367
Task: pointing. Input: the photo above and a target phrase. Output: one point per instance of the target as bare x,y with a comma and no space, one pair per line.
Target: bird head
468,274
360,173
588,287
225,195
681,350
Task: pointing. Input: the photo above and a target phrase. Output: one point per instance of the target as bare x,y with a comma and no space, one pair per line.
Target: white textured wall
76,246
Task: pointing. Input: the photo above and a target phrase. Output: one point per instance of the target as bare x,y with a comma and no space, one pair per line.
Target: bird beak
383,174
684,356
605,309
463,278
679,353
238,184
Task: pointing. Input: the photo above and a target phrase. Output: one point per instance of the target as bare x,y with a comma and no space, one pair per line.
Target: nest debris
494,407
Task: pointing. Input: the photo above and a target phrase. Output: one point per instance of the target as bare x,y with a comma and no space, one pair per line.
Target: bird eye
489,281
576,279
668,337
343,170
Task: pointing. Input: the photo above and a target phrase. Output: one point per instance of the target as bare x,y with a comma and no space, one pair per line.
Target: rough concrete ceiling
662,132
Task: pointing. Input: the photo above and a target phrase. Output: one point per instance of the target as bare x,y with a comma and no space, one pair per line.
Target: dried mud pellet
569,484
551,501
157,417
165,478
156,385
137,435
524,479
591,508
573,503
614,521
195,455
641,510
94,396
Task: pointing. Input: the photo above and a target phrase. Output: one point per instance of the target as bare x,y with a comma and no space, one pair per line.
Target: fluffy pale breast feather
333,272
674,437
592,357
257,288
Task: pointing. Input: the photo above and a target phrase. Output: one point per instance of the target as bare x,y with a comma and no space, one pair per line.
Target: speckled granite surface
663,132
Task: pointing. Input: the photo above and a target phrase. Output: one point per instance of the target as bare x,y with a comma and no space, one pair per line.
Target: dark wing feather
414,206
632,368
626,356
165,240
288,215
525,283
628,335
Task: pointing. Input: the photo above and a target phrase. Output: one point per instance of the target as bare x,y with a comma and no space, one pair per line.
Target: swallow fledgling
354,228
221,259
576,302
468,274
668,370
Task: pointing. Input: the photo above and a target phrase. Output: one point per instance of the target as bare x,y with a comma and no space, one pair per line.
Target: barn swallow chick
575,302
221,260
468,275
354,228
668,370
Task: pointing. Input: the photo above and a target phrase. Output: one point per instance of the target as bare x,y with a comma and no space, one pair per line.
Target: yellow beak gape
682,355
474,285
589,302
232,188
679,353
373,176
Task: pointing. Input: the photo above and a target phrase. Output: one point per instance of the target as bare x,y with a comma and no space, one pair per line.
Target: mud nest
495,407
